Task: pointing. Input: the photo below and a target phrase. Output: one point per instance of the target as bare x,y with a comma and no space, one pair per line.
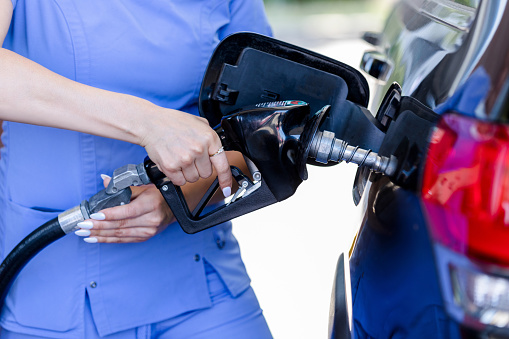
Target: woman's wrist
139,115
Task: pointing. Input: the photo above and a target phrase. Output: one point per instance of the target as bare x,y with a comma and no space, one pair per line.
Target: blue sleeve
14,3
246,16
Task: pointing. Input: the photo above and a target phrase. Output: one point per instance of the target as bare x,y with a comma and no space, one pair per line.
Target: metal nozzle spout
325,147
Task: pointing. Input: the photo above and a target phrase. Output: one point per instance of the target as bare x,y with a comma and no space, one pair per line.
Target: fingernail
82,233
86,225
105,176
227,191
98,216
90,240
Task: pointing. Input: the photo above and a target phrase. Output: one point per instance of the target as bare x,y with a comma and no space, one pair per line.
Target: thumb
106,179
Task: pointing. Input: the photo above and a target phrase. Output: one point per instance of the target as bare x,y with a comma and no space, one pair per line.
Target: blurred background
312,23
291,248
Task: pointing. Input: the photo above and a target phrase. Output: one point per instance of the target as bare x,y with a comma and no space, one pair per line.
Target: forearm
30,93
179,143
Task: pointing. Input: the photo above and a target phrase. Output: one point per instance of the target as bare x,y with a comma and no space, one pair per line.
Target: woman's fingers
146,215
182,146
191,173
204,166
224,176
124,230
122,234
122,213
113,240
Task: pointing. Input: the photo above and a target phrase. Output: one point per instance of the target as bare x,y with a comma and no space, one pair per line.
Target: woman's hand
185,148
145,216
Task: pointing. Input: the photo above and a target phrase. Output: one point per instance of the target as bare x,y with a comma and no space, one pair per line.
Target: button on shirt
157,50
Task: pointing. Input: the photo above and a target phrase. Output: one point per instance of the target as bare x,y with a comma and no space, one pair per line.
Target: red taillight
466,188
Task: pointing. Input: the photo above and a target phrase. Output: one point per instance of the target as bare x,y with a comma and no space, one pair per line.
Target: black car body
431,256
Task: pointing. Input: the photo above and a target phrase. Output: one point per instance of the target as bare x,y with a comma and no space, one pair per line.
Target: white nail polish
105,176
90,240
82,233
86,225
227,191
98,216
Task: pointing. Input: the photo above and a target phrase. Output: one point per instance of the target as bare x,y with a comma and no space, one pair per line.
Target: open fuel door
248,68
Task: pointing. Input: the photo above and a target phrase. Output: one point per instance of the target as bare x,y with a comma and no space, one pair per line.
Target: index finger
224,175
134,209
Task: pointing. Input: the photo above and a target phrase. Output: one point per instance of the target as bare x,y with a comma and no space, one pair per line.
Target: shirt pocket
42,296
19,221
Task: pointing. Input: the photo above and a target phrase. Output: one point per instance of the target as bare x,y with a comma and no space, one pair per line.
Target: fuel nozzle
325,147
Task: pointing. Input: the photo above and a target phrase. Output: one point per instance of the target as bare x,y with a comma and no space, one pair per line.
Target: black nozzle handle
193,222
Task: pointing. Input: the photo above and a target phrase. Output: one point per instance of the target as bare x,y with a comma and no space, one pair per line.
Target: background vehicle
430,259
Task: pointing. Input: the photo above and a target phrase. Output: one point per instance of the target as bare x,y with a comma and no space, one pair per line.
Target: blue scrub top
157,50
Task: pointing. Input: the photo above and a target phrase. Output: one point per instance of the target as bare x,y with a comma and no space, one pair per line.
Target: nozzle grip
192,224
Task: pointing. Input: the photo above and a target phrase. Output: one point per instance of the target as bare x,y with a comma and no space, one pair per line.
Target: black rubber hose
26,250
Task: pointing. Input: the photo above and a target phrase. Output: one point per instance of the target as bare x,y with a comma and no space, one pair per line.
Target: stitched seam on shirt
84,77
208,46
5,132
70,37
196,91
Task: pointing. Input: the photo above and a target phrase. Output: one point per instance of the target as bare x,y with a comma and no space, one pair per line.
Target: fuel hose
56,228
26,250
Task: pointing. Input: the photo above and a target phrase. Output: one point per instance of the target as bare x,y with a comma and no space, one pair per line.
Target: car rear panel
453,57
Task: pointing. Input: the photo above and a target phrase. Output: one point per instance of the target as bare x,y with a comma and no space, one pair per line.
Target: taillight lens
466,187
465,193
